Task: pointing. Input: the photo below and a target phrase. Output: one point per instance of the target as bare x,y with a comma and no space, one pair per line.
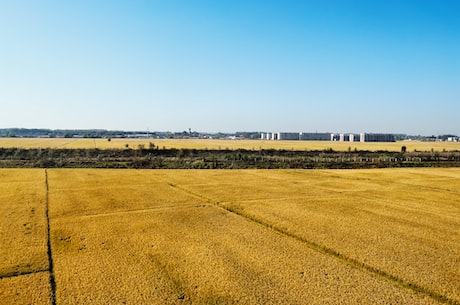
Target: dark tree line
155,158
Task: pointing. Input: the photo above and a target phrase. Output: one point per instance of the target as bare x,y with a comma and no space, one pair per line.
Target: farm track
327,251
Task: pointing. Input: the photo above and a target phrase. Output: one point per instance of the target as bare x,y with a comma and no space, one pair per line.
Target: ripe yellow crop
88,192
26,289
224,144
398,221
24,276
22,222
202,255
380,236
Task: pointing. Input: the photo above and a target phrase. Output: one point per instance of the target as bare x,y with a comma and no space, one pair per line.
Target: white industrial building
295,136
340,137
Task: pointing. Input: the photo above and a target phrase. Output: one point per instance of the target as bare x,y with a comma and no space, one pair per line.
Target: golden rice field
380,236
223,144
24,269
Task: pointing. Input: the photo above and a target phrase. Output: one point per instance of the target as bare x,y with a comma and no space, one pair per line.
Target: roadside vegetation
154,158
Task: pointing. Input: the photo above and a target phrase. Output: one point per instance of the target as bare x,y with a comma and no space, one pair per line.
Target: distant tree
403,149
126,145
109,139
151,145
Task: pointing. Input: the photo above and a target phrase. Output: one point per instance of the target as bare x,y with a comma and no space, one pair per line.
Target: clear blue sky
236,65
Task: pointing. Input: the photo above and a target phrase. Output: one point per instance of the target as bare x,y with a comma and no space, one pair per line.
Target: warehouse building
288,136
315,136
377,137
269,136
340,137
295,136
363,137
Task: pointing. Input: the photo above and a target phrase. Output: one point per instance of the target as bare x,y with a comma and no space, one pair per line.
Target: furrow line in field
403,206
333,175
327,251
348,260
403,183
362,196
277,199
133,211
15,274
49,251
430,188
195,194
393,203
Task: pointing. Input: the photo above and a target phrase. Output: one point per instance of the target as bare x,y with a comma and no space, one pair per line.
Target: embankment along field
93,236
223,144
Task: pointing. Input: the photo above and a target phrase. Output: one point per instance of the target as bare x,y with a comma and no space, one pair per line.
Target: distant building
139,136
341,137
288,136
269,136
377,137
363,137
315,136
296,136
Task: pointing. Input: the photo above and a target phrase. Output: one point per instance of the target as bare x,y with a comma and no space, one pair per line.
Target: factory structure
340,137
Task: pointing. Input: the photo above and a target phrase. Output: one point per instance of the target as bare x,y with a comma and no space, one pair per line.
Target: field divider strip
49,251
15,274
327,251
